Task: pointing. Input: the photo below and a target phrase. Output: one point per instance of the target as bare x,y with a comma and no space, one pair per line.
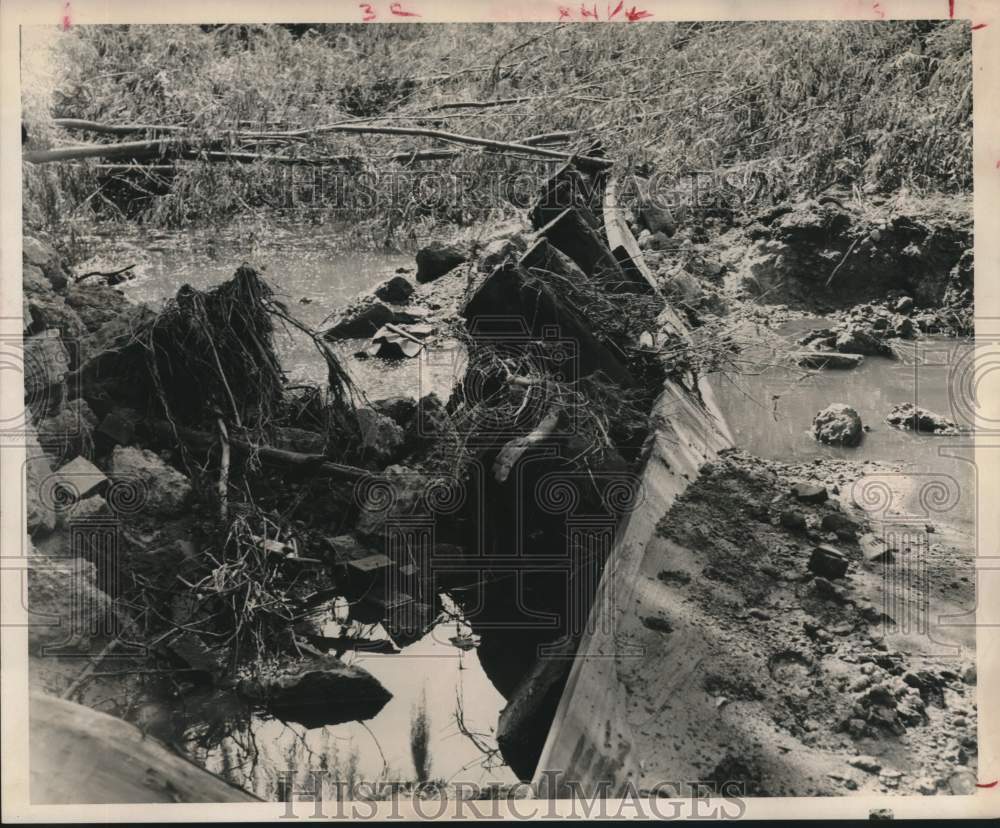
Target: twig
223,472
841,263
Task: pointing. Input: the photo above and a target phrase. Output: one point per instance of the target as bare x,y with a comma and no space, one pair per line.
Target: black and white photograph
459,414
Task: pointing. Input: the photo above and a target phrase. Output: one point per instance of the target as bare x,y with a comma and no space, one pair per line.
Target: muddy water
314,276
770,408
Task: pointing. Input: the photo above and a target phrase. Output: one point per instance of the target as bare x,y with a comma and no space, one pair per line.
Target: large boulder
318,692
166,490
436,260
838,425
914,418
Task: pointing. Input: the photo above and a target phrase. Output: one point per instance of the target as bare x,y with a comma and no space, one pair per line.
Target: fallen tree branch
159,147
316,464
105,273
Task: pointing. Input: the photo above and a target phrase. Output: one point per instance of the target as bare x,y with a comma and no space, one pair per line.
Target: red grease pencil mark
979,26
397,9
564,13
67,19
634,15
368,10
951,8
992,784
878,10
618,8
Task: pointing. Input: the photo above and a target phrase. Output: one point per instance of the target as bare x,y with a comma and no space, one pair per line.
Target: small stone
869,764
809,492
791,519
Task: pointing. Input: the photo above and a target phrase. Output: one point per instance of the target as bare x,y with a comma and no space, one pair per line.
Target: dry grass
776,107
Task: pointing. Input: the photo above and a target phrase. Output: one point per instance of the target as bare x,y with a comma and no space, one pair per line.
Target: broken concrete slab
82,478
874,548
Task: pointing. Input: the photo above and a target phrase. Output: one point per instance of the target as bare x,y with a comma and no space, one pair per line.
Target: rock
903,305
791,519
50,312
436,260
826,589
500,250
364,317
681,286
34,283
81,479
430,424
902,327
844,527
118,427
816,334
838,425
46,364
658,241
381,436
962,782
96,305
657,219
166,490
869,764
39,504
914,418
828,562
873,547
856,339
91,507
398,491
809,493
299,439
397,290
317,692
115,334
400,409
43,256
830,359
67,607
70,432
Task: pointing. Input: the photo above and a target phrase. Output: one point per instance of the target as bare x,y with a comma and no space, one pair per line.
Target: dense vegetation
778,108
